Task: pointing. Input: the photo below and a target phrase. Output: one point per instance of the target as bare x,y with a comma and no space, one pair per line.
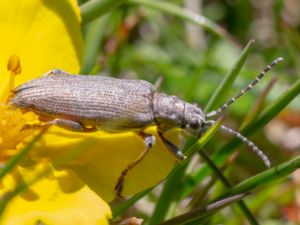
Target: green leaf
227,184
266,177
59,161
93,39
229,79
120,208
203,211
185,14
17,158
94,9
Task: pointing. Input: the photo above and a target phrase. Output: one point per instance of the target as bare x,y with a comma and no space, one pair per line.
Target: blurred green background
150,39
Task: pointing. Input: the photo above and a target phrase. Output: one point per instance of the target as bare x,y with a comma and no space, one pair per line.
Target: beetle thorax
171,112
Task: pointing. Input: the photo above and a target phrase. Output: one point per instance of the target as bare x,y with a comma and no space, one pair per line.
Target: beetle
87,103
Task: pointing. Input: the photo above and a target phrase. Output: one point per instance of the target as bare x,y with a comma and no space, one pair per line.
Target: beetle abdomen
106,102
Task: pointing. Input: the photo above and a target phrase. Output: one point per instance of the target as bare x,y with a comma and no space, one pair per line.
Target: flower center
12,121
14,66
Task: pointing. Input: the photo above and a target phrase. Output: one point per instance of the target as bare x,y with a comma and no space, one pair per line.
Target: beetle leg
71,125
149,141
173,148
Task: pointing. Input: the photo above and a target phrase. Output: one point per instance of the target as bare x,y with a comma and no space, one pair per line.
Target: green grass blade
120,208
227,184
266,177
59,161
291,43
257,107
202,212
204,139
268,114
185,14
96,8
93,39
229,79
17,158
167,195
273,109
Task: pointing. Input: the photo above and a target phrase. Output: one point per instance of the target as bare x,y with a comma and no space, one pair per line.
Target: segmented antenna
246,89
251,145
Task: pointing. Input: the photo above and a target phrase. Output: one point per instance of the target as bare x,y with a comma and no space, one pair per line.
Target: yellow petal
44,34
102,161
57,199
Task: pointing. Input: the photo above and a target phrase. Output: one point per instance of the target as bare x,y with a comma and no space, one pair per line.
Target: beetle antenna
246,89
251,145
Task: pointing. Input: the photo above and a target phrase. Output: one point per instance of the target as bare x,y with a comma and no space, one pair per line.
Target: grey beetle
87,103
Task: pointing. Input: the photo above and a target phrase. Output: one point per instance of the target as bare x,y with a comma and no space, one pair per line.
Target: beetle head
194,120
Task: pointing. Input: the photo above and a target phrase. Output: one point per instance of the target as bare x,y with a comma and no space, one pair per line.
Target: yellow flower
39,35
11,131
59,198
101,162
100,165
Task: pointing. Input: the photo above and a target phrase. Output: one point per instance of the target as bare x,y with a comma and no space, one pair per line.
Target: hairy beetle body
104,102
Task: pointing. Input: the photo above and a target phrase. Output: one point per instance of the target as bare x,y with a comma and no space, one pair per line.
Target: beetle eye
194,124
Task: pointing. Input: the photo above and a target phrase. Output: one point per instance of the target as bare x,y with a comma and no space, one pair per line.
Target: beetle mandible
87,103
